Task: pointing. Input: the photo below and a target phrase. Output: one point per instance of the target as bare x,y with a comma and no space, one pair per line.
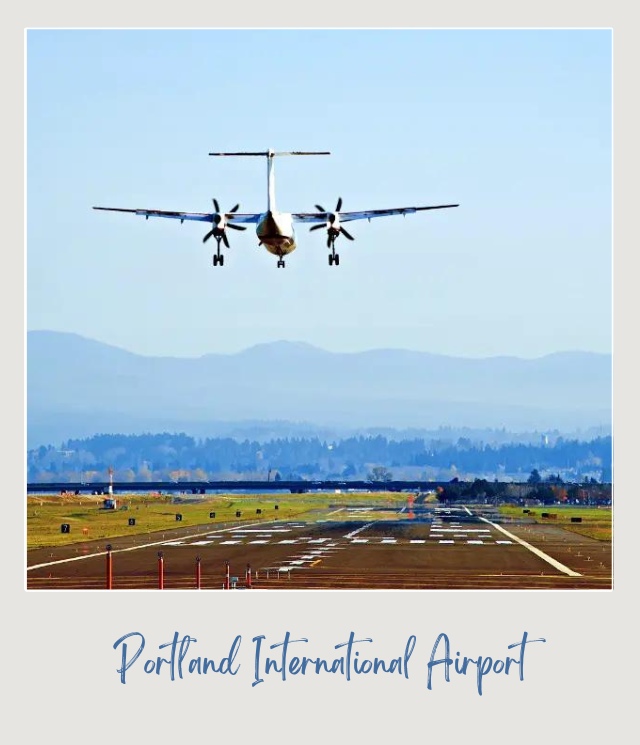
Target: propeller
221,221
332,226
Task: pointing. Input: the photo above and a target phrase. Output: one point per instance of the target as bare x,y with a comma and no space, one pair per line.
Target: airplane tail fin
270,154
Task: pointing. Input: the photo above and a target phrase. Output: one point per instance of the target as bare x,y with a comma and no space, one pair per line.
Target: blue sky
515,125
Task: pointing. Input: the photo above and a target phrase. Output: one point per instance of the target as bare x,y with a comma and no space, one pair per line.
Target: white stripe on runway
163,542
359,530
533,549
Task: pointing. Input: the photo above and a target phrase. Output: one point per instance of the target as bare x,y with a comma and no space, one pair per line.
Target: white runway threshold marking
533,549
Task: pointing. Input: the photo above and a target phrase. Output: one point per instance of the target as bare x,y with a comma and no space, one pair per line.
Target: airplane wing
317,217
182,216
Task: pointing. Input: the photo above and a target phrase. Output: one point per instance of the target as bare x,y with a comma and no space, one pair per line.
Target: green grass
88,522
596,521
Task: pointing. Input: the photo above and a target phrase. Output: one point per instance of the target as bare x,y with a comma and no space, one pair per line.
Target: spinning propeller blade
332,225
221,223
346,235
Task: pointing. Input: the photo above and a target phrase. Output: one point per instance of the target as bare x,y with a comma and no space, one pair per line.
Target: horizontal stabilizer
267,153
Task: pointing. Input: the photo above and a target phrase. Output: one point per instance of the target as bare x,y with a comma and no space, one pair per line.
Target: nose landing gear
218,258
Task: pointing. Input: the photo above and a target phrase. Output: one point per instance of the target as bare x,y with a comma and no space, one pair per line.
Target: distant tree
480,488
126,474
348,471
379,473
534,477
450,492
573,493
545,494
164,455
144,473
179,475
554,479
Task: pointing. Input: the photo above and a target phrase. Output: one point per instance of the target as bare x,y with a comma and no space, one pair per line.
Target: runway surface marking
536,551
483,538
137,547
265,536
359,530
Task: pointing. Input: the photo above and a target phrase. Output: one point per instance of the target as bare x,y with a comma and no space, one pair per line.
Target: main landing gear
218,258
280,263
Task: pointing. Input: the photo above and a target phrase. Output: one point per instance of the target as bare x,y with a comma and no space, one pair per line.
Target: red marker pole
248,576
109,568
160,571
198,573
227,582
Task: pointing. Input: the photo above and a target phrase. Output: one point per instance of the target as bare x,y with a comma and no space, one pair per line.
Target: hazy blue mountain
77,387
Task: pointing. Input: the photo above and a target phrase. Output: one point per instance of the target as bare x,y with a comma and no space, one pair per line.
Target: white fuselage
275,232
275,229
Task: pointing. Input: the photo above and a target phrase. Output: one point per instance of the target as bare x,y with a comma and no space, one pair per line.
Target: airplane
275,229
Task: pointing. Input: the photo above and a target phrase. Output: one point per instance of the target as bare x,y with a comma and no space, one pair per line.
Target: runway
424,547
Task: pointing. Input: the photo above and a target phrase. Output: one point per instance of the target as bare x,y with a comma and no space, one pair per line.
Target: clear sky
515,125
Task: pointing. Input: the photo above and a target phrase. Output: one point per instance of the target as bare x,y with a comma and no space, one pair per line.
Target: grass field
87,519
596,521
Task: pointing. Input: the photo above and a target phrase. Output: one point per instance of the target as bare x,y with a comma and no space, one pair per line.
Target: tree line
167,456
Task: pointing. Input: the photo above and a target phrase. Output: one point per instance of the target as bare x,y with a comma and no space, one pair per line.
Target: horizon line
299,342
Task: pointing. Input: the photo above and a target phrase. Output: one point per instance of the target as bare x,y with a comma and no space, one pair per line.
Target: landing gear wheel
330,260
336,260
215,260
221,260
280,263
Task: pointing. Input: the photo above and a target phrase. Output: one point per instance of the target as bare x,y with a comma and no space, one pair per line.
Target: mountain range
77,387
